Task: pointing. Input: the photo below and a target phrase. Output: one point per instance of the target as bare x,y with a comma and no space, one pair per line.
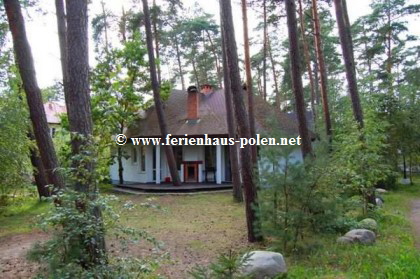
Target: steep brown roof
212,114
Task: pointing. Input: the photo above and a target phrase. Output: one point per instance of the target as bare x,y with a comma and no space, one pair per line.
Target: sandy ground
13,249
194,232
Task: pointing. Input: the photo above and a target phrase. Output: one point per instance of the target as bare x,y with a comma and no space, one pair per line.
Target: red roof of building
53,110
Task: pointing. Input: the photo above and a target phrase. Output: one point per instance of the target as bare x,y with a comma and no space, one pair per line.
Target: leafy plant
227,266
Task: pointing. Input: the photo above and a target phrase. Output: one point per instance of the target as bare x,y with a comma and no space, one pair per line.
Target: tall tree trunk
120,165
249,84
230,118
178,57
316,81
273,68
247,172
38,171
260,87
197,80
348,26
322,69
348,55
307,57
265,50
216,59
156,96
105,27
62,38
80,120
33,93
296,77
156,37
368,59
78,101
119,160
123,26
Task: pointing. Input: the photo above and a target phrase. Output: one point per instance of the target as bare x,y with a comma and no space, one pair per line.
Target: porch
197,165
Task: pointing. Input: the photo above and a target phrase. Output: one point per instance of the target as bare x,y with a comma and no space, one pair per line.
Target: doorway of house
191,171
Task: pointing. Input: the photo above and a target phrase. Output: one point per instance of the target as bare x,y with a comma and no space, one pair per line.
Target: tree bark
62,38
123,26
265,50
195,72
105,27
78,101
80,119
296,77
307,57
247,171
322,69
38,171
178,57
249,84
316,79
156,96
26,68
347,49
230,118
273,68
156,37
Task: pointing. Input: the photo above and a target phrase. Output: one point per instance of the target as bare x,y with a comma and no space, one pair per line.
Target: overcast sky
42,31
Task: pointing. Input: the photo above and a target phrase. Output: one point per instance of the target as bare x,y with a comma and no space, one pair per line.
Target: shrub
67,255
227,266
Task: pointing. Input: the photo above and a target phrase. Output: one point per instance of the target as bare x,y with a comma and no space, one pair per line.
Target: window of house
134,155
142,158
210,156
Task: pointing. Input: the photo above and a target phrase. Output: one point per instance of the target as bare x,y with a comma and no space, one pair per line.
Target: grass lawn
20,217
393,256
197,228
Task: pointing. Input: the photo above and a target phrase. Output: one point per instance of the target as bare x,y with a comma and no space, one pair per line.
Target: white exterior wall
133,173
295,156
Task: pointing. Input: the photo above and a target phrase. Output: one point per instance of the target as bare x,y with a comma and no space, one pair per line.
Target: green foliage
19,215
200,41
393,255
359,156
297,199
227,266
53,93
383,40
15,168
76,226
119,83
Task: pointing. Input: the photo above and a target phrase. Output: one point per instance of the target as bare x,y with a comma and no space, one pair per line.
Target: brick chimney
192,103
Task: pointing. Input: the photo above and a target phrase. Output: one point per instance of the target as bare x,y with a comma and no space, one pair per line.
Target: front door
191,172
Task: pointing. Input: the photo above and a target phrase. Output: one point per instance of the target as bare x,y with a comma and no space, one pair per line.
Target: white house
195,114
53,111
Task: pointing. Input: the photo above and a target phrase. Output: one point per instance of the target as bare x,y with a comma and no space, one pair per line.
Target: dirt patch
13,249
194,230
415,219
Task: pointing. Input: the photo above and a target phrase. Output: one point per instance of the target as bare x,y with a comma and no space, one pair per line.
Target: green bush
68,254
227,266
